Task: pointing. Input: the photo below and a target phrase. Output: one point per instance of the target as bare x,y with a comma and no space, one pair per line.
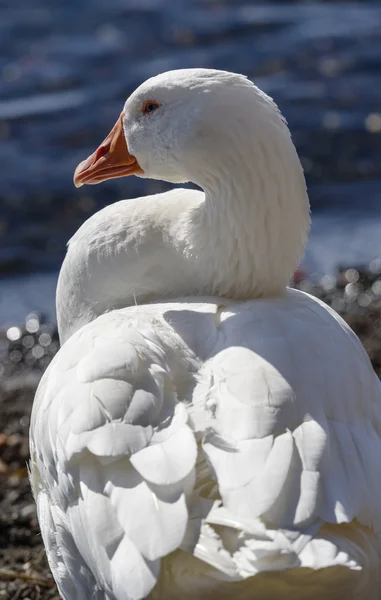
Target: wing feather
116,458
293,435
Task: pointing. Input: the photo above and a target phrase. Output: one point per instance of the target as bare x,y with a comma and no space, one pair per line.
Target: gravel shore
24,354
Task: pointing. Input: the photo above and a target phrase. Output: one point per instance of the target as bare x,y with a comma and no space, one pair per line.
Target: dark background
66,69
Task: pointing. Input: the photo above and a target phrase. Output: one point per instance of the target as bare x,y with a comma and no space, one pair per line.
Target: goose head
198,125
170,127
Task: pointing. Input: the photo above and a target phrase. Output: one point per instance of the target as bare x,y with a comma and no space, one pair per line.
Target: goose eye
149,106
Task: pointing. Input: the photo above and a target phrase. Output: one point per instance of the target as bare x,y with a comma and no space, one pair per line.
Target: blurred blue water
67,67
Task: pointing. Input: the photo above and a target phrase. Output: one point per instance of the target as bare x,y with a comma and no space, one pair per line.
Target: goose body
204,432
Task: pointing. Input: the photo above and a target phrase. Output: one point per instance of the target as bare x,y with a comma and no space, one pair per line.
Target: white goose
204,447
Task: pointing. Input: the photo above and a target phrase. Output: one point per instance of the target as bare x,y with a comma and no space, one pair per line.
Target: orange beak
111,159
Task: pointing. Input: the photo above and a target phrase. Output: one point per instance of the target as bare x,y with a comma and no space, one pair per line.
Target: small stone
14,439
376,288
375,266
351,275
14,333
352,290
37,352
27,510
14,482
28,341
15,356
32,323
45,339
364,300
24,421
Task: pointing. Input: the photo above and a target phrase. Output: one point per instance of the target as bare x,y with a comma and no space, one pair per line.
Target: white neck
249,235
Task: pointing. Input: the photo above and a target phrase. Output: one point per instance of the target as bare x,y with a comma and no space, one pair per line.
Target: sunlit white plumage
220,446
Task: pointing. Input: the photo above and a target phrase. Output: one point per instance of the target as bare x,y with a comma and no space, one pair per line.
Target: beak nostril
101,151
